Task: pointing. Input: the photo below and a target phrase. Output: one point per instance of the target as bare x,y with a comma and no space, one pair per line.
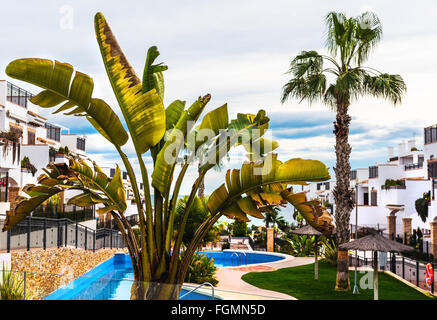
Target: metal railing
412,166
245,257
238,259
110,224
37,232
198,287
408,269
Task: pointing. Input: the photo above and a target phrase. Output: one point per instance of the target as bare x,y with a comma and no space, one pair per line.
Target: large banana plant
174,141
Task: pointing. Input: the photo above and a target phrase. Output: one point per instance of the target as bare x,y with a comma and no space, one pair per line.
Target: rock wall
47,270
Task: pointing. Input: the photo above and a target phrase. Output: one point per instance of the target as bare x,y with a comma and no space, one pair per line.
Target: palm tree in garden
159,259
273,216
350,42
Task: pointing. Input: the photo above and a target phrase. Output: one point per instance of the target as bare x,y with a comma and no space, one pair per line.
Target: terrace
18,95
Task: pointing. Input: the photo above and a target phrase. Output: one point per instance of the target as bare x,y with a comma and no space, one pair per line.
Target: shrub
330,252
25,163
11,286
201,269
298,246
226,245
393,183
422,204
239,229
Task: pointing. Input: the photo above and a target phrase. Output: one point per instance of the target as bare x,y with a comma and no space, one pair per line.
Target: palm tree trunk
342,193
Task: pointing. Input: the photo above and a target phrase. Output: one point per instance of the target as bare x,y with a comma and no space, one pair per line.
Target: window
111,172
432,170
430,134
124,175
373,172
319,185
327,185
30,137
80,144
53,132
373,198
52,154
353,175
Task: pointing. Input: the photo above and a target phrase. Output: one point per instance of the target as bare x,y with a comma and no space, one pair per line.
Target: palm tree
274,217
349,42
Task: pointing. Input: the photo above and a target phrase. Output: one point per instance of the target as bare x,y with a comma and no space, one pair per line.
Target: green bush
393,183
422,204
25,163
297,245
201,269
239,229
330,252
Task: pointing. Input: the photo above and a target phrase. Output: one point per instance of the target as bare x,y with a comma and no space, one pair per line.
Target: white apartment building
414,172
39,142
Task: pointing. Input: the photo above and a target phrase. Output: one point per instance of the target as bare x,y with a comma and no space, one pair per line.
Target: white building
392,187
40,141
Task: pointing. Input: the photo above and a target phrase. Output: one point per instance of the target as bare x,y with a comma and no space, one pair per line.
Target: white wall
70,140
38,155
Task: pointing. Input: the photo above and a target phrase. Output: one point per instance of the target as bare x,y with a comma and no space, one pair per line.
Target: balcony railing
17,95
412,166
383,187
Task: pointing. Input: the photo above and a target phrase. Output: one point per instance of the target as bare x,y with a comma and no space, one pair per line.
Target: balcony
393,187
17,95
393,184
413,166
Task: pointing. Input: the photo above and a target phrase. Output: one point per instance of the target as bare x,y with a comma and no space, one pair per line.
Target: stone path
232,287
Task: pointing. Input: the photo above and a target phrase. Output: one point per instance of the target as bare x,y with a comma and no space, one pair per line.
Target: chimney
401,147
390,152
411,144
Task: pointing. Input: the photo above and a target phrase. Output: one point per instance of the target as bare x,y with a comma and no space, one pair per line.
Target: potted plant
27,166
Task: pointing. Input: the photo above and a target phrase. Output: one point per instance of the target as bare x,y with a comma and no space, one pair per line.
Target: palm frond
387,86
368,33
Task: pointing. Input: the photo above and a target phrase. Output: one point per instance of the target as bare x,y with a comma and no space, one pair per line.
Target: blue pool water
112,280
223,258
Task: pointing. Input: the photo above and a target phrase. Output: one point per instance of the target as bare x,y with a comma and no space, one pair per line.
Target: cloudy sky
239,51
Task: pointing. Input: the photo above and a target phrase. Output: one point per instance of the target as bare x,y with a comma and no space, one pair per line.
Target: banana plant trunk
141,290
342,193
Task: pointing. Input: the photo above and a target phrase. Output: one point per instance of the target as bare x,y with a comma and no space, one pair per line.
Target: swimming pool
229,258
113,279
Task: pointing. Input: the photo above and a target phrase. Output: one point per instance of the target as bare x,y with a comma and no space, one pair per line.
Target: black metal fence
110,224
38,232
68,211
408,269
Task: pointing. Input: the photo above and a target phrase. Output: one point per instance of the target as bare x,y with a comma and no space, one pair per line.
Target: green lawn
299,282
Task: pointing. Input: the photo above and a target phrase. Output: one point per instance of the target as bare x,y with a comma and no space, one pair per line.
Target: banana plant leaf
166,158
55,78
143,112
94,187
253,180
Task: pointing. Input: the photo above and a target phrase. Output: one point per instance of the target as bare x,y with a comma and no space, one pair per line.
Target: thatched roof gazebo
310,231
375,243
